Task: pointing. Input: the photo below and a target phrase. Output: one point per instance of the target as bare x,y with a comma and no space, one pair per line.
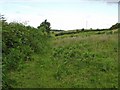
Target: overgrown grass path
37,73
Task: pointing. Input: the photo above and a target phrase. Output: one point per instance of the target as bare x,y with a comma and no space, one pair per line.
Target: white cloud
112,0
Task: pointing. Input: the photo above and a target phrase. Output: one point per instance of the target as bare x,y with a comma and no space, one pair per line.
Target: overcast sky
62,14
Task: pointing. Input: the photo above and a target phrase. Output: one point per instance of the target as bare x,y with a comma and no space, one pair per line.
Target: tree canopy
46,26
116,26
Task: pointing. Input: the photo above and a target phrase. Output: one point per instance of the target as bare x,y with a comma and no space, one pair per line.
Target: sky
62,14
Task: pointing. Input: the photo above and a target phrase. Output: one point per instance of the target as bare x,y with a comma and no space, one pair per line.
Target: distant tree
45,26
116,26
97,29
78,30
82,29
90,28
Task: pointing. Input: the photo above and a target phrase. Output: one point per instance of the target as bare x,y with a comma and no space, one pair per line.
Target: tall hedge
19,42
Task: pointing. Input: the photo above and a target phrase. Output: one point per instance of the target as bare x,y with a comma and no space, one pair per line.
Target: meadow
80,60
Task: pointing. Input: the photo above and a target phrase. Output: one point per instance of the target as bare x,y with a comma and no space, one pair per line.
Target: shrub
19,42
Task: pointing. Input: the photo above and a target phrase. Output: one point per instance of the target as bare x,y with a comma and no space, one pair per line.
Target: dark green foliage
116,26
56,30
46,26
15,44
66,33
78,30
19,42
82,29
91,29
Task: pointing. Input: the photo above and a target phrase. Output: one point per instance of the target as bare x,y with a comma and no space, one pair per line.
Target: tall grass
86,61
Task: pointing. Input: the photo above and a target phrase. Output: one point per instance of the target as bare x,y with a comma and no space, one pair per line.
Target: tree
78,30
116,26
45,26
82,29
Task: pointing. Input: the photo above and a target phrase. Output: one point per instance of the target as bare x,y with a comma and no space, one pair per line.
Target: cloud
114,1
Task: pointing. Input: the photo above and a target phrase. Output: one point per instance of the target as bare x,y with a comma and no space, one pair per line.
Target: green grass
84,60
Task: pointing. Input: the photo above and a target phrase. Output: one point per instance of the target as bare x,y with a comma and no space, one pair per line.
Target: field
82,60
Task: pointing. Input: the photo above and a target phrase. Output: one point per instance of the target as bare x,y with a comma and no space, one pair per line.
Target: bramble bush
19,42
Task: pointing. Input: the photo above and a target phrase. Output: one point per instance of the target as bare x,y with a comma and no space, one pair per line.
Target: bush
116,26
19,42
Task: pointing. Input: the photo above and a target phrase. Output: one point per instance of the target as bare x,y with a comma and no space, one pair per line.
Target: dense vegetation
84,60
36,58
19,43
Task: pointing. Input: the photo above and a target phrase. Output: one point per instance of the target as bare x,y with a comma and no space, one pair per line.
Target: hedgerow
19,42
